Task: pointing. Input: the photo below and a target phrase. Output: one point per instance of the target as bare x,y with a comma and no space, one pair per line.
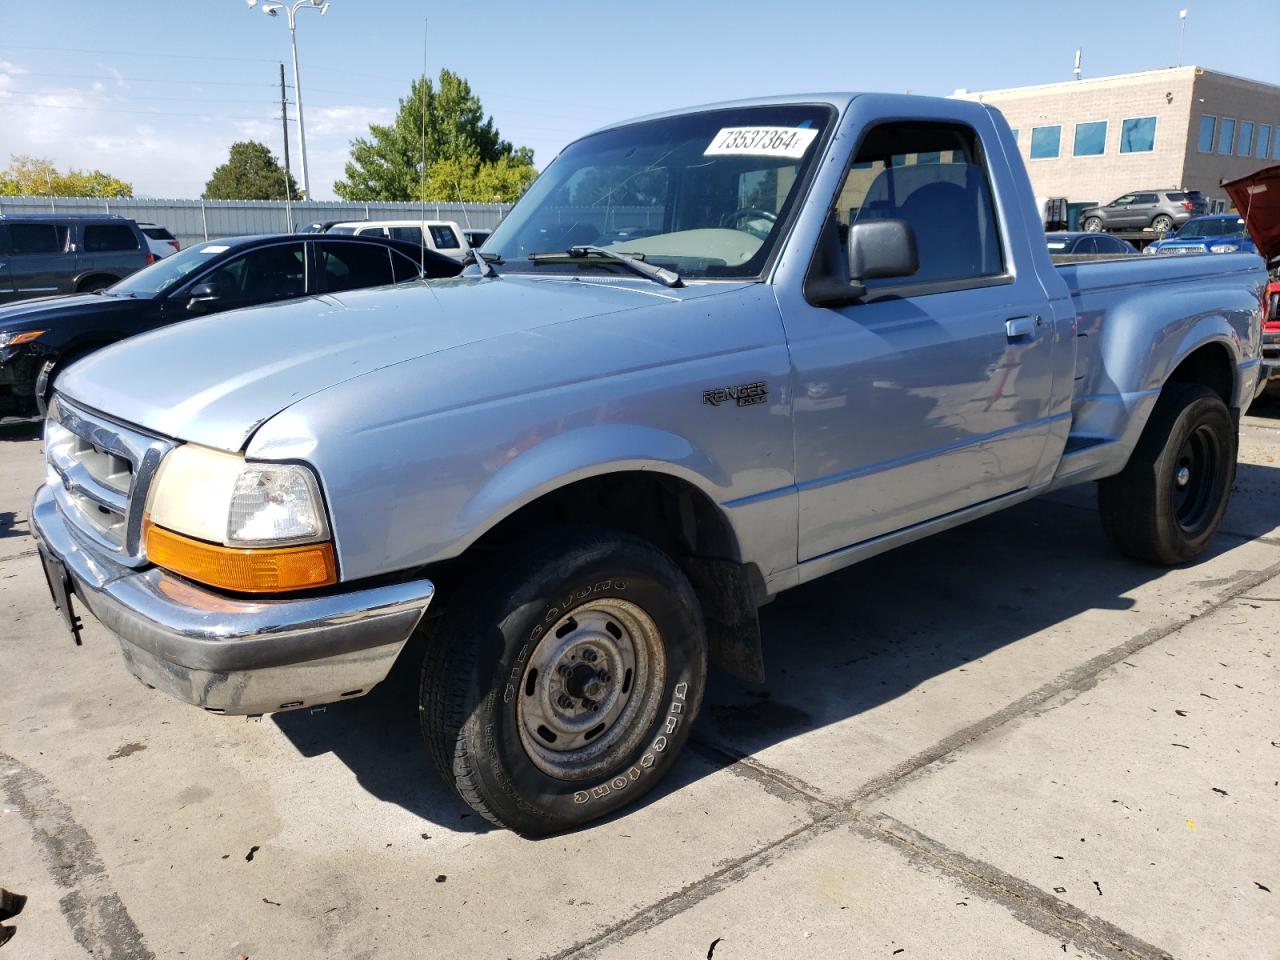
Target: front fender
583,453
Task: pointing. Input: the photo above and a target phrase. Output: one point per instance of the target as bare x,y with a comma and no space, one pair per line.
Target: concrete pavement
1002,742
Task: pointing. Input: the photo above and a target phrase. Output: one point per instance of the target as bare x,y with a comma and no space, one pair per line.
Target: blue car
1220,233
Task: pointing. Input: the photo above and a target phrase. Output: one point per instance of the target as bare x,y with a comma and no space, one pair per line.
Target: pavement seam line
1026,902
1072,681
694,893
93,910
19,556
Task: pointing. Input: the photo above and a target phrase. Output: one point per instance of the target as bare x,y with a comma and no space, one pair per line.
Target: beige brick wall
1219,96
1177,97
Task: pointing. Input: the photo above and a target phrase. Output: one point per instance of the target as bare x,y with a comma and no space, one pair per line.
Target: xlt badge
745,393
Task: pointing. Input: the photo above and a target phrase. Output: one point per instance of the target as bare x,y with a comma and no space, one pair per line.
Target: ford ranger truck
711,355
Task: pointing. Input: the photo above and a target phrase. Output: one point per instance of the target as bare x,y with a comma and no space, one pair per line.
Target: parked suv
46,254
442,236
1161,210
160,241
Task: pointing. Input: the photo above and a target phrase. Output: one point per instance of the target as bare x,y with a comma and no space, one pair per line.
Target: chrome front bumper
236,656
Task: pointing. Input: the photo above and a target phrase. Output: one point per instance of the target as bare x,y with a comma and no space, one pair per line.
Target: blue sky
156,91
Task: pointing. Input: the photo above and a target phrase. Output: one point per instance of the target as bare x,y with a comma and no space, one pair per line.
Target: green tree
250,173
28,176
445,124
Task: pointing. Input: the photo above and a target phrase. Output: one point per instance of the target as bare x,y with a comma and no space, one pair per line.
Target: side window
37,238
270,273
410,234
1124,201
107,237
402,268
1086,245
4,240
444,238
933,176
1145,199
349,266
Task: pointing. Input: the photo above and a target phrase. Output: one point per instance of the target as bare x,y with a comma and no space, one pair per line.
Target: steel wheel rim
591,688
1195,476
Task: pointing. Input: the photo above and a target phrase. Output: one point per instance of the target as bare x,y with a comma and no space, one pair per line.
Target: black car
39,338
1081,242
43,254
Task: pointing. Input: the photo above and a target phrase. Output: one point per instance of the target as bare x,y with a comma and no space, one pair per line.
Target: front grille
100,472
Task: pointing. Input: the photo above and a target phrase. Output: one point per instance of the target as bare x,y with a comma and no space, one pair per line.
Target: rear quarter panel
1136,321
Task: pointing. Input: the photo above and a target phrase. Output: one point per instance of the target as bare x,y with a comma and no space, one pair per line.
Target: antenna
422,178
1079,51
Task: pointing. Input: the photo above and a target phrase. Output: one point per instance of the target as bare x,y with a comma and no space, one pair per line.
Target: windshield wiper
668,278
484,261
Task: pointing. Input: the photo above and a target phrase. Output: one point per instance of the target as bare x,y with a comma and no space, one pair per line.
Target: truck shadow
15,430
838,647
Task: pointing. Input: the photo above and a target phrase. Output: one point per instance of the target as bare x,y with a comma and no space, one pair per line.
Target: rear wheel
1162,224
1168,502
1092,224
564,688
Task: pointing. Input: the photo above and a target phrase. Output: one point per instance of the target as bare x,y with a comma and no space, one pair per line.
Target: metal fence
194,220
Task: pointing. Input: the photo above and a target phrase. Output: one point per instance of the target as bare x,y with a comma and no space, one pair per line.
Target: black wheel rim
1196,480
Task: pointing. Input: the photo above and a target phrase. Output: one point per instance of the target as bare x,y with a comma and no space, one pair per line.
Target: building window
1226,135
1138,135
1264,141
1207,125
1015,134
1045,142
1091,139
1244,146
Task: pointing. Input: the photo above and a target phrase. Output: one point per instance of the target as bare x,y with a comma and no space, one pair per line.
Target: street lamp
273,10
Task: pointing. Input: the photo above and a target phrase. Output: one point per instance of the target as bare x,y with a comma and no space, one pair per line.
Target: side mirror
202,295
877,250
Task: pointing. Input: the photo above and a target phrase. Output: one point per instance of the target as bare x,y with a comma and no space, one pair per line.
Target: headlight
1224,248
8,339
249,527
1150,248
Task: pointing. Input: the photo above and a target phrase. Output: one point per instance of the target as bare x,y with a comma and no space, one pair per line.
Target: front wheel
1092,224
565,687
1168,502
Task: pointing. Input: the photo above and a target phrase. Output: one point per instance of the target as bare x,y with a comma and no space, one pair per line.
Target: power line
129,96
112,78
143,113
138,53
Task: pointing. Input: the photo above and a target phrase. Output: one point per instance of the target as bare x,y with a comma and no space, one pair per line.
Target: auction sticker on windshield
761,142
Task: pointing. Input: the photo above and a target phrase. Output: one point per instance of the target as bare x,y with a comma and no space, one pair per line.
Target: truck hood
1257,197
213,381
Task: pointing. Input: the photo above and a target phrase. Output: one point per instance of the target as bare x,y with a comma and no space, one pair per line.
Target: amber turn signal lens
264,570
26,337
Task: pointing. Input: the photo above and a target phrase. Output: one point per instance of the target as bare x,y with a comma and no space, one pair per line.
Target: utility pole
284,120
1182,33
284,129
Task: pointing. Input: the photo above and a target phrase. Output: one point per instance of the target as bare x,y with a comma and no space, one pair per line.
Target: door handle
1017,328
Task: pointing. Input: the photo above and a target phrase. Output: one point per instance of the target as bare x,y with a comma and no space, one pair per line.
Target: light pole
291,12
1182,32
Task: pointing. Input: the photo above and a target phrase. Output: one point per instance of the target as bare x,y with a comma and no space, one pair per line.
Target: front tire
564,687
1168,502
1092,224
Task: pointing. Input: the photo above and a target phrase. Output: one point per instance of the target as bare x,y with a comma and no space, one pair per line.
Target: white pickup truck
709,356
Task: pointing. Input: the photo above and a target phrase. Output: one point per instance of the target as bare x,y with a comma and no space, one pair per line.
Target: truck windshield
703,194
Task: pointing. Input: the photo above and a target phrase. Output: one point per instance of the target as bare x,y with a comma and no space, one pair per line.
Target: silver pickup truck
711,355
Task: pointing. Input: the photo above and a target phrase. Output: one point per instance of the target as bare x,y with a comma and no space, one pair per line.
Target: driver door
933,392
